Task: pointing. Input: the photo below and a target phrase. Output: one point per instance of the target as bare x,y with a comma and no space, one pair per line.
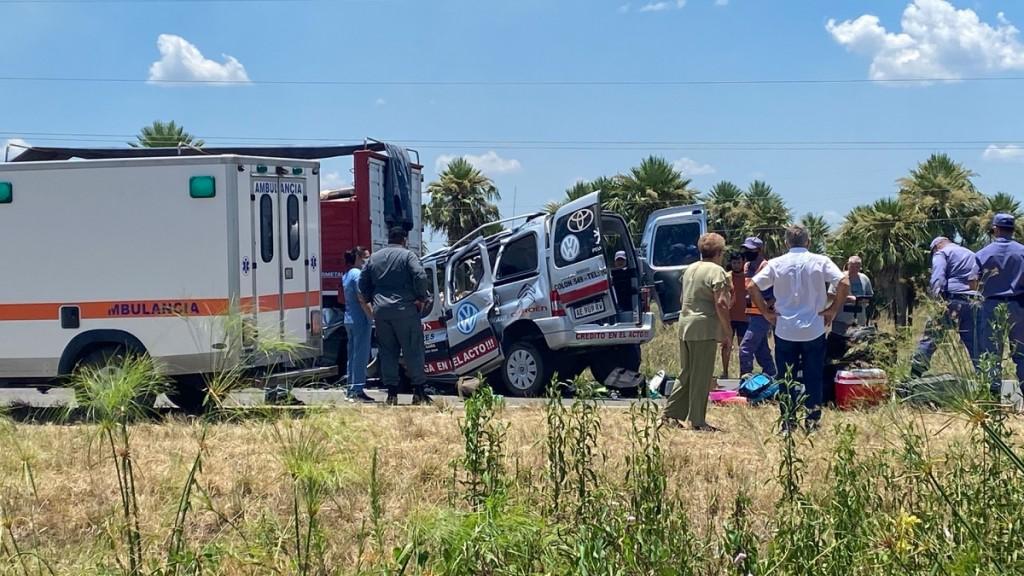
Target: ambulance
151,251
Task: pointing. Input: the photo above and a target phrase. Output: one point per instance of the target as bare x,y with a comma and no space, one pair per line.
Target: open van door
581,290
670,245
472,343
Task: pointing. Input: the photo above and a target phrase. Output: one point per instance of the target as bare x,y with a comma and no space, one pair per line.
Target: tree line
936,198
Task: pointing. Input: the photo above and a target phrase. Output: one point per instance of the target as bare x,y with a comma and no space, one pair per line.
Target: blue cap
936,241
1003,221
753,243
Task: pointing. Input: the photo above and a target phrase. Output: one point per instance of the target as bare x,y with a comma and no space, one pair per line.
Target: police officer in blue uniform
1001,266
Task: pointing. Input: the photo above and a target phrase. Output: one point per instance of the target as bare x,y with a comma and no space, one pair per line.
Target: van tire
189,394
524,371
604,360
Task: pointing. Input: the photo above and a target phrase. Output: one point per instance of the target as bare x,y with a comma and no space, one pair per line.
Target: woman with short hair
703,326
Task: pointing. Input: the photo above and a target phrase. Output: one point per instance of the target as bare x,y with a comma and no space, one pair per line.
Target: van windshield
676,244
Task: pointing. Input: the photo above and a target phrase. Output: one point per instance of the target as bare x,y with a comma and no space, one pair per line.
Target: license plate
588,309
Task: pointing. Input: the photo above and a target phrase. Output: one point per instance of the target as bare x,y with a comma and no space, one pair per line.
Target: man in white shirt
800,281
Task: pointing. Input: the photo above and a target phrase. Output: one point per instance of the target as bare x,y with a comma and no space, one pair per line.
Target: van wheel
189,394
524,370
604,360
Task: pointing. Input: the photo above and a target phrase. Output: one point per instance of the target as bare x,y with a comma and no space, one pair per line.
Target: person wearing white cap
954,281
620,261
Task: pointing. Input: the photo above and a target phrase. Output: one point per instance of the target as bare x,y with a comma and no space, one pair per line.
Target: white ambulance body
150,255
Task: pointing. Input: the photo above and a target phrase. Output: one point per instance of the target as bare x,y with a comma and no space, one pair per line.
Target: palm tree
578,190
165,135
654,184
818,230
724,204
461,200
942,190
998,203
890,234
766,216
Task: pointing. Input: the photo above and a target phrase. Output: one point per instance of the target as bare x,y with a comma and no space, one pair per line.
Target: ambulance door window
294,246
266,228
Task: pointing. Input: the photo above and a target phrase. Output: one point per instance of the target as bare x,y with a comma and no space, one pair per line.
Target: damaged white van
543,297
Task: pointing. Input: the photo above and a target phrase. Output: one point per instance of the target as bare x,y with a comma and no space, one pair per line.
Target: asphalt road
63,398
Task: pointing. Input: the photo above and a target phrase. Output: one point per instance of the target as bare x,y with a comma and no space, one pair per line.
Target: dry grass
70,519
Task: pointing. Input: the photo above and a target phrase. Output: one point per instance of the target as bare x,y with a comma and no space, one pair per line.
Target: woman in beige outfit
703,327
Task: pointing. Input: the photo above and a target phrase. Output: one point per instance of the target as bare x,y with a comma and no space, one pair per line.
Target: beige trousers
689,398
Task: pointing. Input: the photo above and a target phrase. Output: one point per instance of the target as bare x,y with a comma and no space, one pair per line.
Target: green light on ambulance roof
296,171
6,192
202,187
261,169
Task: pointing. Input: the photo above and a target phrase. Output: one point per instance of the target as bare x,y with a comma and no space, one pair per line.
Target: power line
496,83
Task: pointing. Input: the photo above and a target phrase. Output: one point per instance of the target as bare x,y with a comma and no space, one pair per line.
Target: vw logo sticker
466,318
580,220
570,248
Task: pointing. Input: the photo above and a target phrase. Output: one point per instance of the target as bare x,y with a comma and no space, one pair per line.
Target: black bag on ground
625,379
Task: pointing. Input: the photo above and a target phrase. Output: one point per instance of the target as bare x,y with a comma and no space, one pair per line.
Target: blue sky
978,122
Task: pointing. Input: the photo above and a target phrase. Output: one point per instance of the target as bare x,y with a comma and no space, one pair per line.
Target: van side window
466,276
519,258
431,289
266,228
294,248
676,244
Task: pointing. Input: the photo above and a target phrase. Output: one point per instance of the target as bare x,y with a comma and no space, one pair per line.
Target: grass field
492,490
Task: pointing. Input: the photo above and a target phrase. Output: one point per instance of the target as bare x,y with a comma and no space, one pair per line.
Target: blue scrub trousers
358,355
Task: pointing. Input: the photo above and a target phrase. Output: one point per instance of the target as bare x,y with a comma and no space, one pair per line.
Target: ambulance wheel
524,372
189,394
105,362
604,360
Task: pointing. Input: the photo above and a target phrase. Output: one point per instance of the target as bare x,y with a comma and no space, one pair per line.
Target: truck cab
543,297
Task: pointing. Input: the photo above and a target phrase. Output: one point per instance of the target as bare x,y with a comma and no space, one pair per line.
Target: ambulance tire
525,369
604,360
108,357
188,393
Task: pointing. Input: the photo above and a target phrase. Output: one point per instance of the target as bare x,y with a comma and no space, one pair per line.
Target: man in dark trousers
394,284
1001,265
954,281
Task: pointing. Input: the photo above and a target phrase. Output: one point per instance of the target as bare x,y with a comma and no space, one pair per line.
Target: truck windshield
676,244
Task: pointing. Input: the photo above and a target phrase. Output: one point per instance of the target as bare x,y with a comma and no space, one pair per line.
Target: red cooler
861,387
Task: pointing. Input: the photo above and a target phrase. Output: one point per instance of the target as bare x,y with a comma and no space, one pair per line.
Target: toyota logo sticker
579,221
570,247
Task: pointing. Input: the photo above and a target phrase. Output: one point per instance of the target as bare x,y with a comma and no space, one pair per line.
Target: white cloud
13,151
331,181
1007,153
721,2
935,41
691,167
833,218
380,102
180,60
662,6
488,163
